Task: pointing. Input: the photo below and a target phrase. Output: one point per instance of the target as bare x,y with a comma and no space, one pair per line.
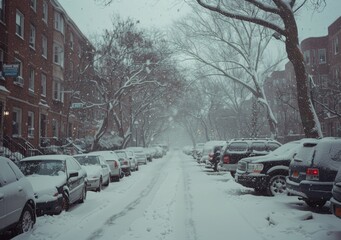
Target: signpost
11,70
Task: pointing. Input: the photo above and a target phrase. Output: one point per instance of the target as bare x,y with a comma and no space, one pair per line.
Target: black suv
312,171
237,149
336,192
267,173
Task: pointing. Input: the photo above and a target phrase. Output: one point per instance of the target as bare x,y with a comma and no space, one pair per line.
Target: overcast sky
92,18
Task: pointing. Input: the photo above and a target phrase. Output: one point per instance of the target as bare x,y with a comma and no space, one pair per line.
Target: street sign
77,105
11,70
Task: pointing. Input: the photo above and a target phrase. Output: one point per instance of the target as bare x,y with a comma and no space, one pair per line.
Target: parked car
124,160
335,201
58,181
134,166
197,151
207,152
312,171
139,154
237,149
97,170
111,158
268,173
17,202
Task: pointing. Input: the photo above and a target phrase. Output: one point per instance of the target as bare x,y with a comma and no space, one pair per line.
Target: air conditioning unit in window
19,80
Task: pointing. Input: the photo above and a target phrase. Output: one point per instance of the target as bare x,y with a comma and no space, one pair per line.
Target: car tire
276,186
26,220
83,195
99,188
315,203
65,202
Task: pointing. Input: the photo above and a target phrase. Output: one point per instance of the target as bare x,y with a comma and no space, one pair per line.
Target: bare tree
287,29
232,49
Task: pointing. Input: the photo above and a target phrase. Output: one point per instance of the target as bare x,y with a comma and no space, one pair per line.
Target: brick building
53,56
323,63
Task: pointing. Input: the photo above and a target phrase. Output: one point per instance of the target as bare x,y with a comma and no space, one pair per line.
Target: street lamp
136,123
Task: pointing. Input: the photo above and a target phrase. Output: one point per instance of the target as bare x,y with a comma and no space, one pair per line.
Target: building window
322,56
336,45
54,128
71,40
16,122
33,4
32,36
58,55
2,10
19,79
30,124
43,85
19,21
58,91
1,59
71,70
307,57
45,11
58,22
44,46
31,80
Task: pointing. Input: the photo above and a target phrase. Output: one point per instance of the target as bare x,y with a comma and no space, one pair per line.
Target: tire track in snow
132,205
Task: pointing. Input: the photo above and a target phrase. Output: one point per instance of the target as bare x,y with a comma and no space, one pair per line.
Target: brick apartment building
323,62
53,56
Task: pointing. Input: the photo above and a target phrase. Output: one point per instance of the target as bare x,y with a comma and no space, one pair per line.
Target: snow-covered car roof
47,157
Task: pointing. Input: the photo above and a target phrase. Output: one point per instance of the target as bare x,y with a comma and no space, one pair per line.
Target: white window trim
44,46
32,40
336,45
31,80
45,11
19,121
30,128
307,57
34,7
325,55
56,130
18,13
59,52
19,80
57,91
43,84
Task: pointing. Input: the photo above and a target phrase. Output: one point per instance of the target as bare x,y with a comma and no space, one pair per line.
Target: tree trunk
309,120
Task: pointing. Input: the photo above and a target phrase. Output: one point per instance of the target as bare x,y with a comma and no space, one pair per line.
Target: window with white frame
44,46
43,85
45,11
58,54
19,24
31,80
307,57
71,40
32,36
54,128
33,4
336,45
30,124
19,79
58,91
2,10
58,22
16,122
322,56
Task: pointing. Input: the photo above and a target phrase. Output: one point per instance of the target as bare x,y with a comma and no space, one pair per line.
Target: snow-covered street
175,198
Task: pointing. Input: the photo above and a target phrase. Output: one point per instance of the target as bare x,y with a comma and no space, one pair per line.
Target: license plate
338,211
295,174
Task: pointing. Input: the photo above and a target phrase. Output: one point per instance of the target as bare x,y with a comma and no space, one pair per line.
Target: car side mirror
73,174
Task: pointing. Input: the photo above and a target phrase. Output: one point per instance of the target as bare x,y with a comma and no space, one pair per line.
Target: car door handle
338,184
1,196
20,189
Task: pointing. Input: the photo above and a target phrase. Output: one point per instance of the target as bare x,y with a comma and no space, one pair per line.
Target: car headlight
254,167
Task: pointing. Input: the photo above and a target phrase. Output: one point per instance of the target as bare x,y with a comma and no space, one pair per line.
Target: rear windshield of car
329,151
121,154
258,146
306,153
87,160
238,147
273,146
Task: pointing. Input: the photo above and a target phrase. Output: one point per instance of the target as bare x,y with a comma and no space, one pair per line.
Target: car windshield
238,146
87,160
46,167
121,154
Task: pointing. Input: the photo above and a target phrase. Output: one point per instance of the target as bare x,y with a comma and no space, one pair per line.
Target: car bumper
251,181
230,167
49,207
335,207
310,189
92,184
